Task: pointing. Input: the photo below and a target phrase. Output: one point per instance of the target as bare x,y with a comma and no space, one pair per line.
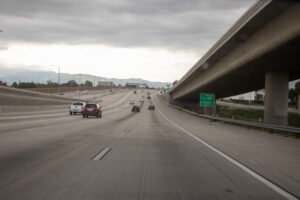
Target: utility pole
94,88
58,80
79,84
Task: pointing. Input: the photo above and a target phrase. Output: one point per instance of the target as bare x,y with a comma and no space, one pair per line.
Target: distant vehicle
131,102
136,109
92,109
148,97
134,92
141,100
151,107
85,92
76,107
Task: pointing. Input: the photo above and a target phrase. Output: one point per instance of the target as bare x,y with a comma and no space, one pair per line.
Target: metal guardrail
247,123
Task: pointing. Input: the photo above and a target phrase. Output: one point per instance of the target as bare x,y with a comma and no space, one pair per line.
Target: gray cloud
174,24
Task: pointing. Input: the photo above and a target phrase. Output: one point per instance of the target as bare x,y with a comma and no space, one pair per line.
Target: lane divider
101,153
256,175
126,132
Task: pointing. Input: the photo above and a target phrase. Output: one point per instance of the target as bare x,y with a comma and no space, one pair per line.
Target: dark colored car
136,109
134,91
148,97
151,107
92,109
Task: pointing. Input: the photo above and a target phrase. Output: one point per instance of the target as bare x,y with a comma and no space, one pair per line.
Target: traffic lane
26,153
155,160
32,116
120,100
7,127
127,105
9,124
14,134
121,93
90,95
6,117
149,159
75,94
43,162
274,156
21,135
107,99
198,166
50,111
11,127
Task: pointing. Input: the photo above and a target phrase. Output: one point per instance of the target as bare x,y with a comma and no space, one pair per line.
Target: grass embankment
252,115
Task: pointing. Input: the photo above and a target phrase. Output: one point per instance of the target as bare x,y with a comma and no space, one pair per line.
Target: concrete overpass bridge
261,50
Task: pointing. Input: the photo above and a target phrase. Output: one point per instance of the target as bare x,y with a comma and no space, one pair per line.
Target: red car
92,109
136,109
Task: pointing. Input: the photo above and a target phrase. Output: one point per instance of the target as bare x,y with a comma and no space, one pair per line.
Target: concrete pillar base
209,110
276,98
183,104
174,102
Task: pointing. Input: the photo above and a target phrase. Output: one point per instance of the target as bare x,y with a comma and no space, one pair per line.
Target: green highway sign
168,86
207,99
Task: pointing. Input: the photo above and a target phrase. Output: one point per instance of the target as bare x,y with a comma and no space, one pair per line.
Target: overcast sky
157,40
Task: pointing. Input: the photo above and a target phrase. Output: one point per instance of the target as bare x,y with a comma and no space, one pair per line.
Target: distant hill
10,75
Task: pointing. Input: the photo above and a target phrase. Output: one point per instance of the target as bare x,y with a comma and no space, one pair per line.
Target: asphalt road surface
160,154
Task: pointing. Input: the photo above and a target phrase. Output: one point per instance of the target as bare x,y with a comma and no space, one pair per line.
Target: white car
85,92
131,102
141,100
76,107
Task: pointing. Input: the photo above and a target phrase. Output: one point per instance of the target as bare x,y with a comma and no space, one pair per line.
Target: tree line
50,84
294,93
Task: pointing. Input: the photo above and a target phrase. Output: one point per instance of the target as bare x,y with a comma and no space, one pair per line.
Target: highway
160,154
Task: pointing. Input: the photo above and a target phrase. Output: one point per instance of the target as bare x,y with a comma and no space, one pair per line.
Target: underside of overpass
251,76
261,50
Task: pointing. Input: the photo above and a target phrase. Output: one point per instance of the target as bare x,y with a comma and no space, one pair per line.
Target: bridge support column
171,100
276,98
175,102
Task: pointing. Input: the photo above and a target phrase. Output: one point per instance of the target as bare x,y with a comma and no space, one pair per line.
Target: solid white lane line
271,185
